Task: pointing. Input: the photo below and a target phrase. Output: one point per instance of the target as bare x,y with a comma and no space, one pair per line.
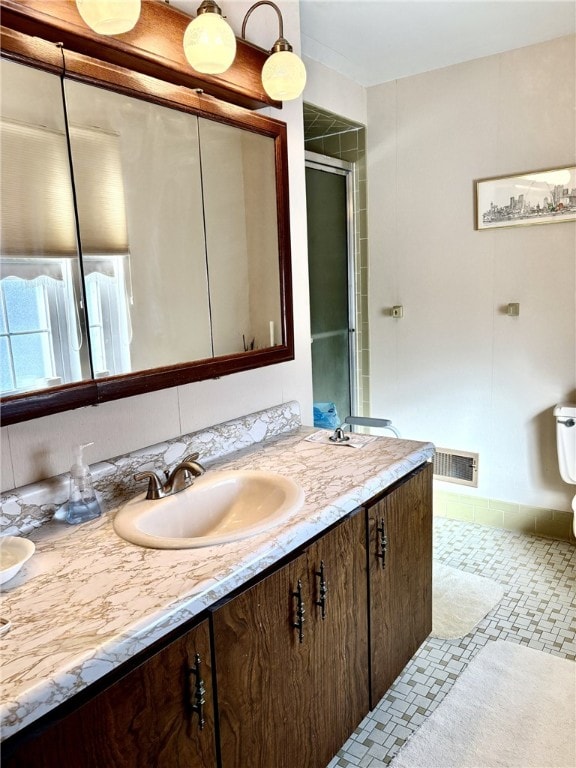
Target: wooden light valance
153,47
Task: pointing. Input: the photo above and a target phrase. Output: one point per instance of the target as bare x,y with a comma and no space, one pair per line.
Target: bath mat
460,600
512,707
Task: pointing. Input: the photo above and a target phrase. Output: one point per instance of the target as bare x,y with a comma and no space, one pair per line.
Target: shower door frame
334,165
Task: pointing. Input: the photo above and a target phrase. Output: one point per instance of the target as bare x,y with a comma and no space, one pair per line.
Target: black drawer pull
300,611
323,590
197,691
382,542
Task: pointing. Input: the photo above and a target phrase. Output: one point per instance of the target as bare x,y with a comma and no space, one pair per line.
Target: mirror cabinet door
138,184
142,246
239,182
43,339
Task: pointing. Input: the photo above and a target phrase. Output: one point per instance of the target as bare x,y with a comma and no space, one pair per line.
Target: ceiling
374,41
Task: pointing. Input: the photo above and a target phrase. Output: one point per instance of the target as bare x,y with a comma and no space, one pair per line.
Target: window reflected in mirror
43,339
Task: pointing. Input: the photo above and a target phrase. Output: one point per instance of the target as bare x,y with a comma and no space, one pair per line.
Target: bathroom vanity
265,652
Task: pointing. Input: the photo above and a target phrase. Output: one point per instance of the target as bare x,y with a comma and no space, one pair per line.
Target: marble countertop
88,600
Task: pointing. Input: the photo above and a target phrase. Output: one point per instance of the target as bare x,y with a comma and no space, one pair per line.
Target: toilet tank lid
565,411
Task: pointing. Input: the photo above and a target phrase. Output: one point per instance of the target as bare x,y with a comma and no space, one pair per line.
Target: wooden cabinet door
263,674
337,574
145,719
400,577
288,698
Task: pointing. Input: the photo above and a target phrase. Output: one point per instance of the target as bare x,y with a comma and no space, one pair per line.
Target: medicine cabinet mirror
145,239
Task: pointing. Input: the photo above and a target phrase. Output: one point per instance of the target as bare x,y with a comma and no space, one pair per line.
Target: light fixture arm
281,44
209,6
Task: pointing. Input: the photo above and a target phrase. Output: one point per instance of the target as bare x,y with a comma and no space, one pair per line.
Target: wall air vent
456,466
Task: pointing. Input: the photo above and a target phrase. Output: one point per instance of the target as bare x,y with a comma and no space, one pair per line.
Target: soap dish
14,551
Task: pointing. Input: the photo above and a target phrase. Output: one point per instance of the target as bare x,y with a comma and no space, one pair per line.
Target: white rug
512,707
460,600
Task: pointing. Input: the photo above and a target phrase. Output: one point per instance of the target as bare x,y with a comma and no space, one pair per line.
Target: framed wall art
535,197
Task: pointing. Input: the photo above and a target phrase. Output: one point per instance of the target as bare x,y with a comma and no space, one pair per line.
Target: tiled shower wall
334,136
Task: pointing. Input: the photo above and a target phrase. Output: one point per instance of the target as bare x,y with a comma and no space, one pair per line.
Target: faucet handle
191,466
155,489
183,475
191,457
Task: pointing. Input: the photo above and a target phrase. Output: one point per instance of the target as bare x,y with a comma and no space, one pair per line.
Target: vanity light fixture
109,17
283,74
209,41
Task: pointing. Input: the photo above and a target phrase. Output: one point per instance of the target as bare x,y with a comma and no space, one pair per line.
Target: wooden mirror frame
50,34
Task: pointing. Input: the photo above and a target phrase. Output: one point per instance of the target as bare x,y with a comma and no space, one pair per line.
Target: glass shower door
329,208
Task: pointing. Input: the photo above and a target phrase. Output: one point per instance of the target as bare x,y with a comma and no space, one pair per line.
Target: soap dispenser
83,503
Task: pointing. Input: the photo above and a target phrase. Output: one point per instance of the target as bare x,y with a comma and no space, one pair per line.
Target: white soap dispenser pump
83,503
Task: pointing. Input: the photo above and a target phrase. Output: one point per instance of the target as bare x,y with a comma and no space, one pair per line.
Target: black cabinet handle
300,611
323,590
382,545
197,691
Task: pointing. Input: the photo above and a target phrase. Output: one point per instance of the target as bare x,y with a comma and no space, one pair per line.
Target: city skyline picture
535,197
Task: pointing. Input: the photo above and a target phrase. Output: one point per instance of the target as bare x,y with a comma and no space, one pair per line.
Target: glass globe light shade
283,76
209,44
109,17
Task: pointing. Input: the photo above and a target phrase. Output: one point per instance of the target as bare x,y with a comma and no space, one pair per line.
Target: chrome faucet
181,477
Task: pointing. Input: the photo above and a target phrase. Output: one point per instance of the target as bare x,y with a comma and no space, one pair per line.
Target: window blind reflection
99,190
37,204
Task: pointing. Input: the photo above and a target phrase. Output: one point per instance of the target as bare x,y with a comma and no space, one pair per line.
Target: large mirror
143,244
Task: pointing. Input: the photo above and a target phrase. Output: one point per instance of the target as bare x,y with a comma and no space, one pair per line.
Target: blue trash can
326,416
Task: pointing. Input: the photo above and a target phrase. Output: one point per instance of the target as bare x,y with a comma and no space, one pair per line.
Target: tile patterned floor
538,610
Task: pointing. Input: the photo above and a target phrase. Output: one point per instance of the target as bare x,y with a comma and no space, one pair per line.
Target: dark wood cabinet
400,577
147,718
288,667
340,640
292,654
260,674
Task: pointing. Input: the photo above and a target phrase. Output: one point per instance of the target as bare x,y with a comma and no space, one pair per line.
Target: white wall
334,92
455,369
42,447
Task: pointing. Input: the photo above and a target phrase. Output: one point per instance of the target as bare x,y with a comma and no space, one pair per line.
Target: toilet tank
566,440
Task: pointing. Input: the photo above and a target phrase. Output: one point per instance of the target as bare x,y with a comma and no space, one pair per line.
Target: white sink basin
219,507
